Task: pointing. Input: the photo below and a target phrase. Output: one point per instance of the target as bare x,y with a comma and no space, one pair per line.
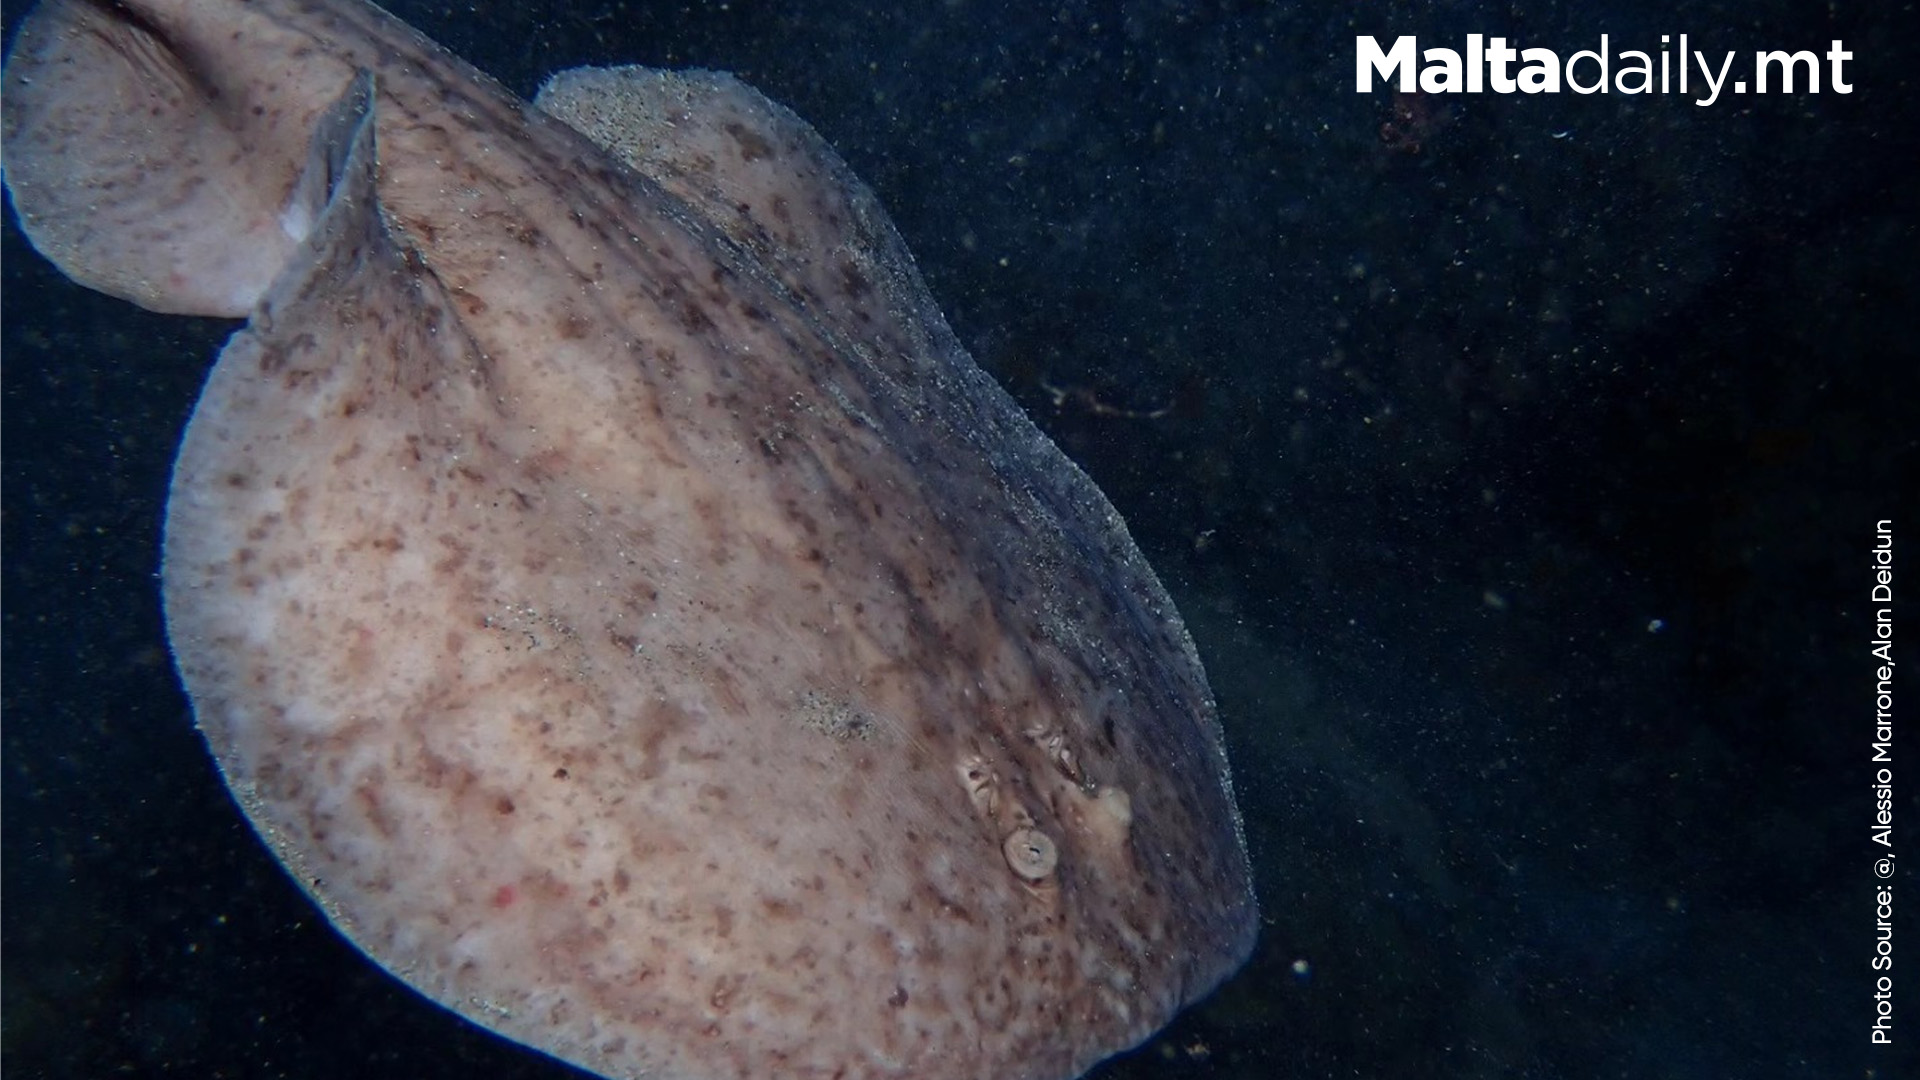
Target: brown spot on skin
725,989
427,234
456,556
362,656
662,721
727,688
503,805
368,796
723,922
898,999
753,145
695,318
853,282
469,303
439,774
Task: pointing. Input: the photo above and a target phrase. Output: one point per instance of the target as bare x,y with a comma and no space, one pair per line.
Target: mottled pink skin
611,591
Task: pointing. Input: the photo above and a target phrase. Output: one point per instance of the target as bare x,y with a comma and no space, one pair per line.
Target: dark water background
1519,464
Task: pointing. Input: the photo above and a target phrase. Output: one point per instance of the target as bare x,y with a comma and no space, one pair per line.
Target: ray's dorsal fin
384,323
138,174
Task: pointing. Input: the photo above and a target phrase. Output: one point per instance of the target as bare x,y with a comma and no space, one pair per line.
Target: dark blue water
1514,460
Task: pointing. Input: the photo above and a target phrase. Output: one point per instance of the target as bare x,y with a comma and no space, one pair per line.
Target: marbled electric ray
604,581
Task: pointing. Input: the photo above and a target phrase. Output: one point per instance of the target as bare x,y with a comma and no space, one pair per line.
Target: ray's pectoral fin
348,249
137,172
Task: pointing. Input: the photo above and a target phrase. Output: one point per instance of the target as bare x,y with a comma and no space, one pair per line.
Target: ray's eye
1031,854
